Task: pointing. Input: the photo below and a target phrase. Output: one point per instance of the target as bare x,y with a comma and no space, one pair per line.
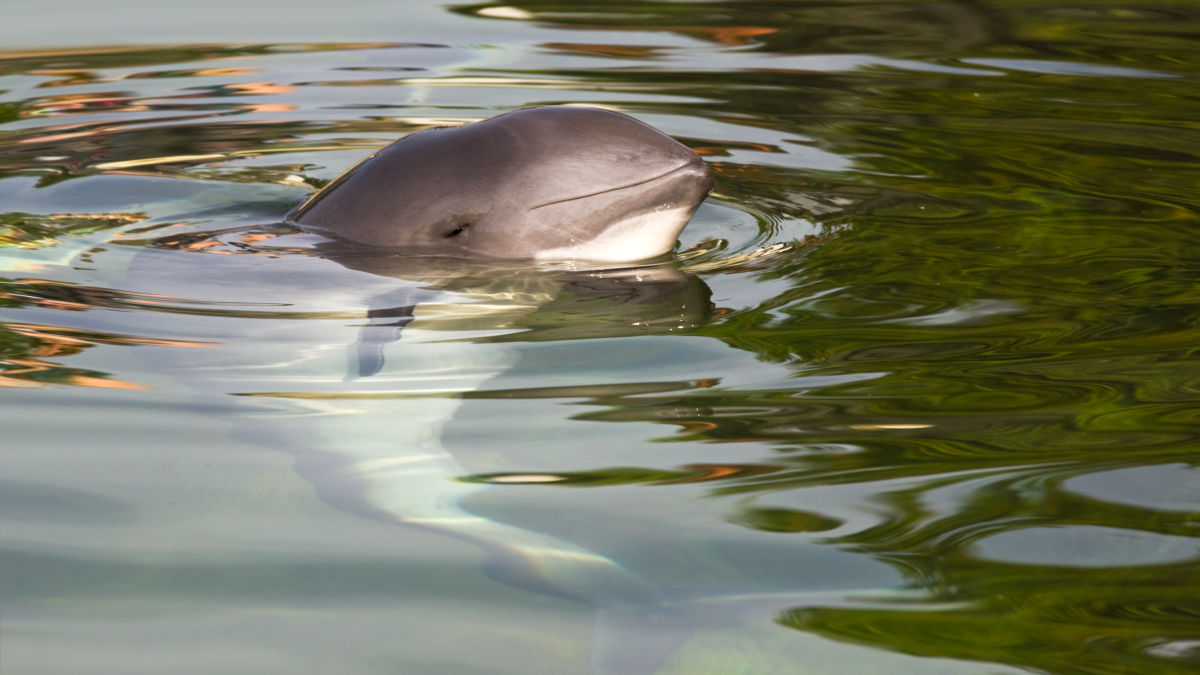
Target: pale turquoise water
917,394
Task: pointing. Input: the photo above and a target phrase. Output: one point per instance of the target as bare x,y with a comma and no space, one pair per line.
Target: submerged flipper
387,315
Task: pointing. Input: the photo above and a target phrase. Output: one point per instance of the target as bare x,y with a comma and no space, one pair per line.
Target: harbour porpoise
556,183
553,182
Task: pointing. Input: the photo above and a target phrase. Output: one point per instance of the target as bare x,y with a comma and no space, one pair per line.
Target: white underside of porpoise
646,235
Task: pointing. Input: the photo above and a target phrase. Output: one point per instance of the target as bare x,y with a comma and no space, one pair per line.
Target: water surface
917,393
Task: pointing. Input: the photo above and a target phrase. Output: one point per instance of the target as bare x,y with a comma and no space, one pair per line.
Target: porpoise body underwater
425,223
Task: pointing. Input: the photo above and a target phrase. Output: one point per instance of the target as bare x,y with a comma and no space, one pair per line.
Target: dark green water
930,405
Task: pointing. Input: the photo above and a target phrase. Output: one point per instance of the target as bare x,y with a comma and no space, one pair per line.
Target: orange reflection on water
627,51
37,373
734,36
81,338
91,131
71,104
267,107
243,244
702,473
260,88
69,77
32,370
73,76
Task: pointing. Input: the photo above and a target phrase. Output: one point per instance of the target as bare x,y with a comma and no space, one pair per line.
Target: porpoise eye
457,231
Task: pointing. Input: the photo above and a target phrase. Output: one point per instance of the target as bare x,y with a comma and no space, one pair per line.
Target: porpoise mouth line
614,188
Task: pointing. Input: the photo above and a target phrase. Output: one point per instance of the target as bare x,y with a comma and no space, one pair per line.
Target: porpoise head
553,182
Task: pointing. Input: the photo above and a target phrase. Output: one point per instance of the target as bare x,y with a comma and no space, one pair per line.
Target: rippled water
918,392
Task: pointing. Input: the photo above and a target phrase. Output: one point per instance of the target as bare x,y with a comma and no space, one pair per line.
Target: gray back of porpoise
554,182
